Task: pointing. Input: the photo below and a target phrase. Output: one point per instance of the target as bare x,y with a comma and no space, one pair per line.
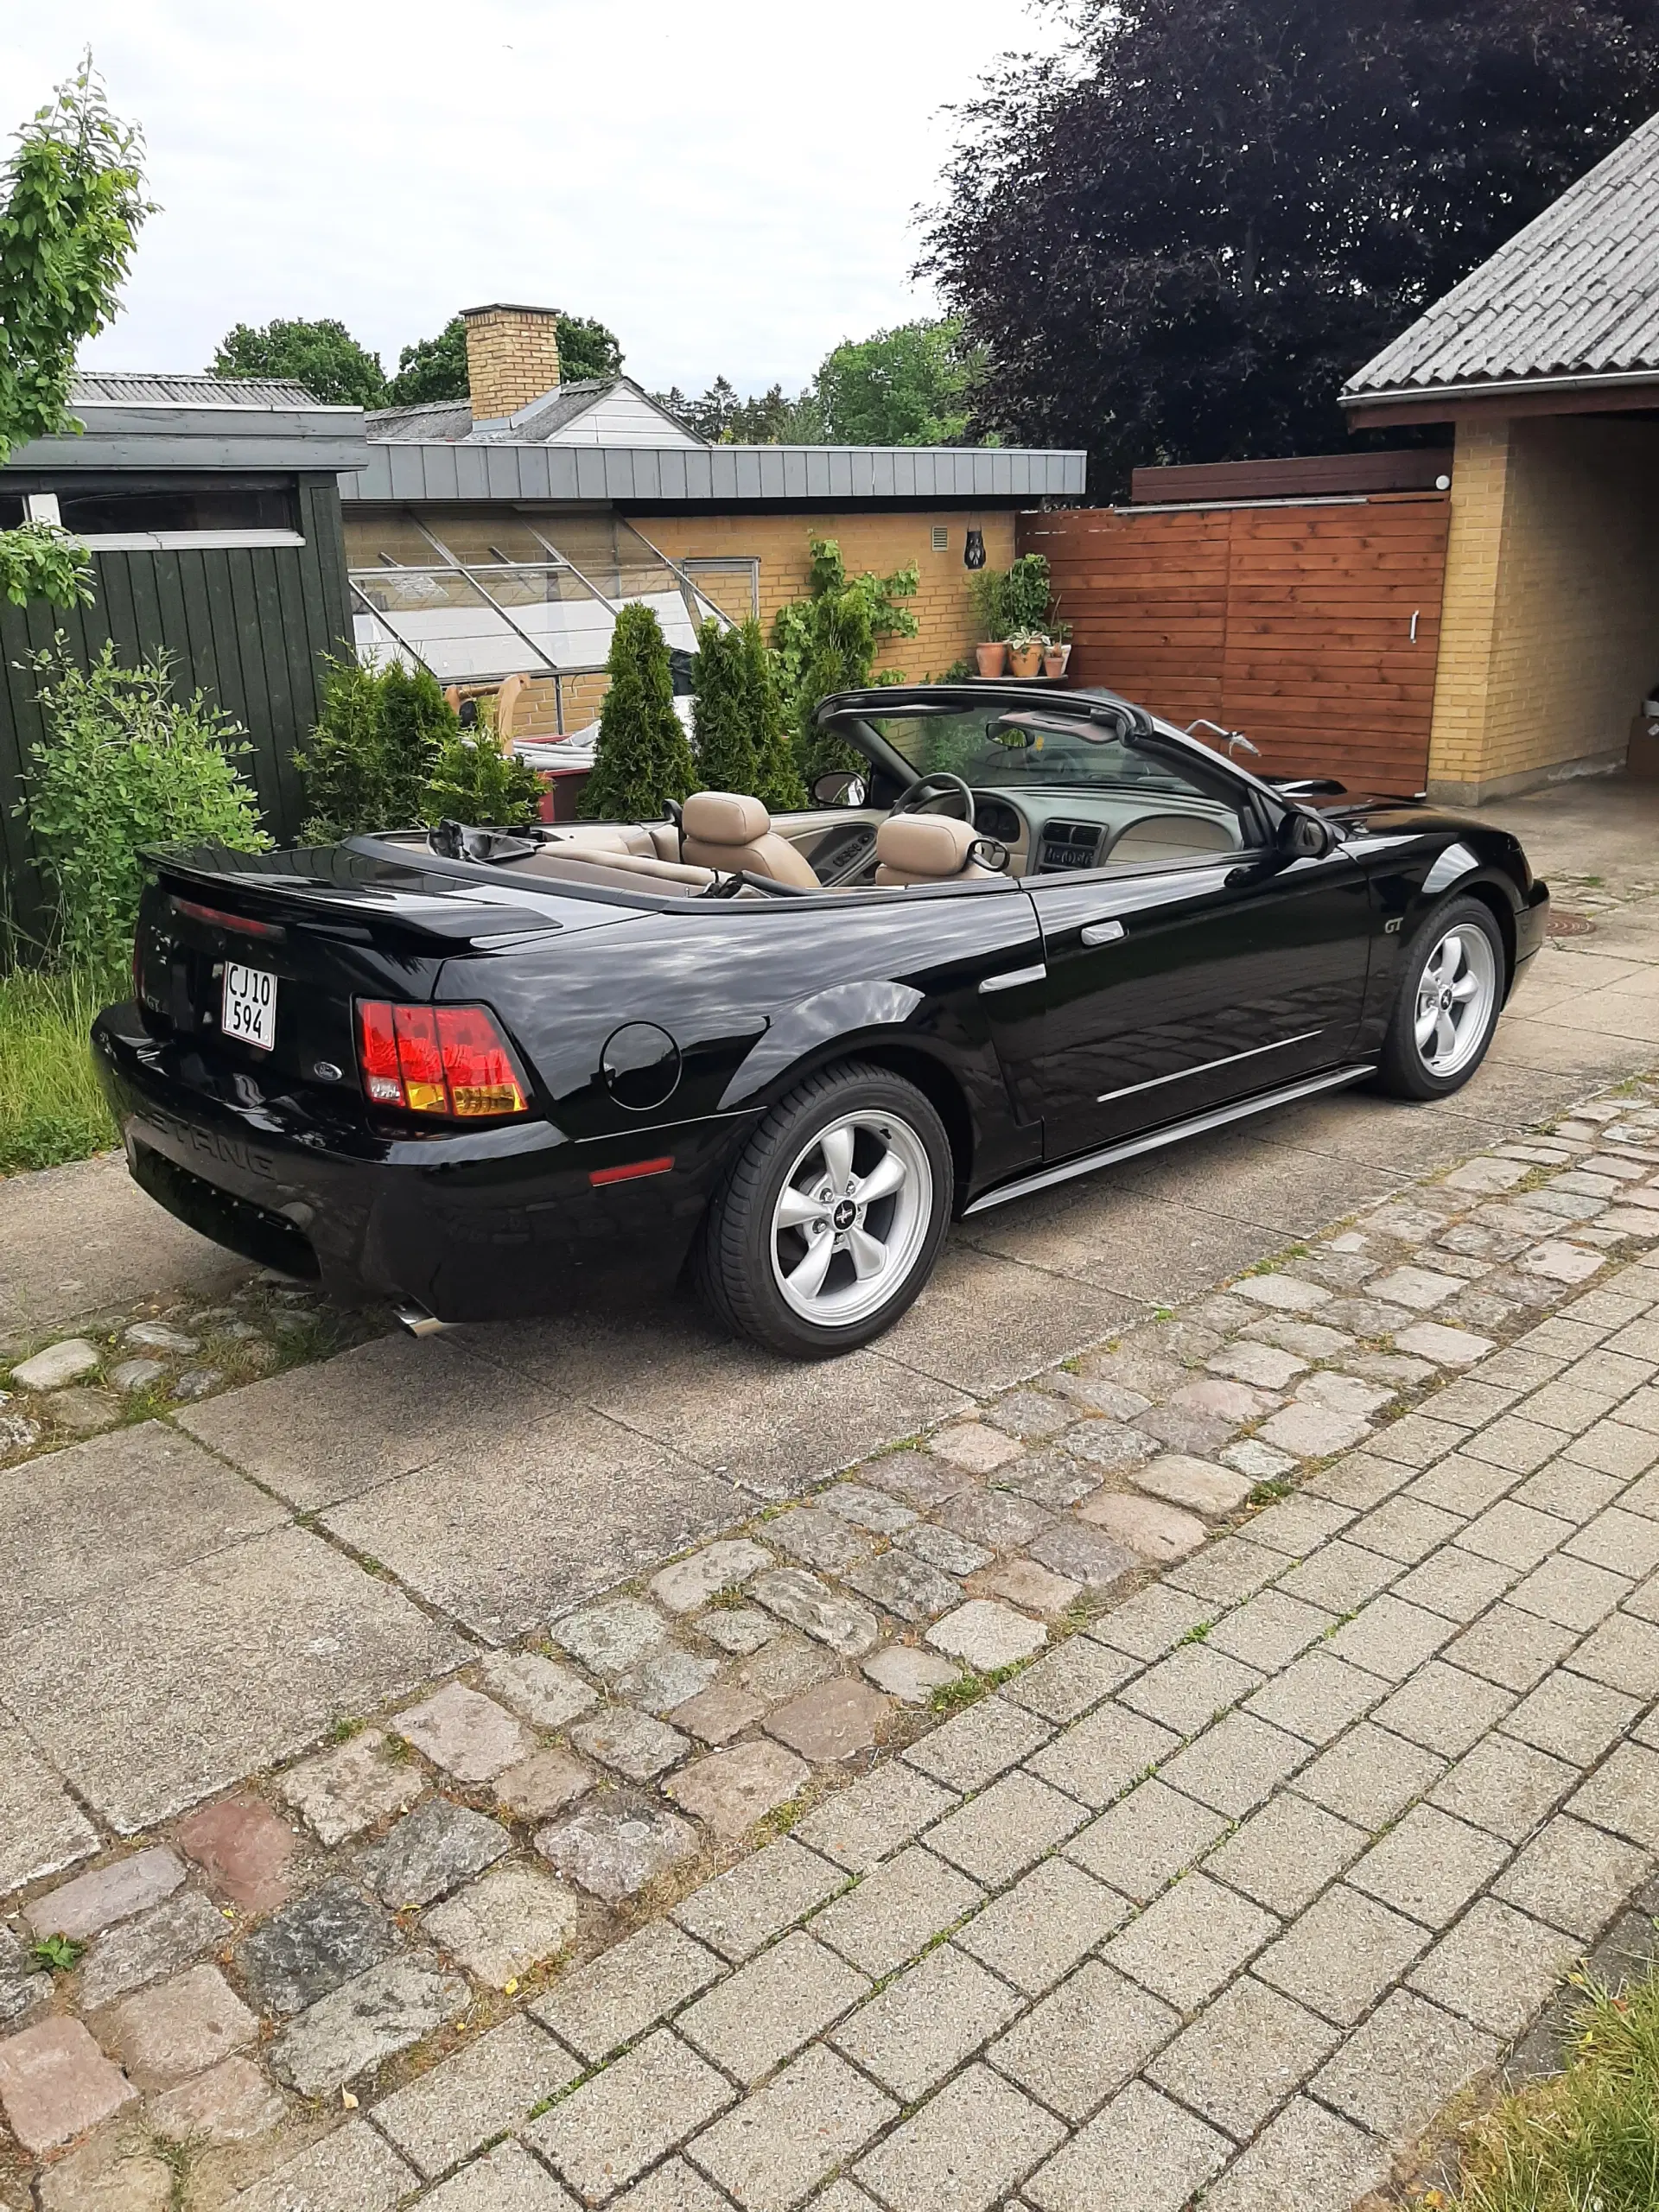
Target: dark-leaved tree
1177,239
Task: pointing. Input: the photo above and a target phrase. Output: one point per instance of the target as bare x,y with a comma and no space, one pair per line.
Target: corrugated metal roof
449,422
498,468
1575,293
96,390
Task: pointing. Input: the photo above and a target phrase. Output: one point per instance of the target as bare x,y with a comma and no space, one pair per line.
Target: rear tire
829,1221
1452,981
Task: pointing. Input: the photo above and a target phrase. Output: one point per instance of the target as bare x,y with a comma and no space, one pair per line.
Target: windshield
1018,747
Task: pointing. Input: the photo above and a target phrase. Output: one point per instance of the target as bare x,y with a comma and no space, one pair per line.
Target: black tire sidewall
736,1260
1404,1070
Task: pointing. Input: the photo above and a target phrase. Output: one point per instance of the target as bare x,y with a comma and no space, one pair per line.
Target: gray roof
1573,295
498,468
91,390
449,422
198,422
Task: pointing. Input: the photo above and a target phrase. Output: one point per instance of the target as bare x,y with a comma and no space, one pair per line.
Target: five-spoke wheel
832,1217
1451,990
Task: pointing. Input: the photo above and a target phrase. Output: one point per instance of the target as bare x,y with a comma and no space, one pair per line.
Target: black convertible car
484,1073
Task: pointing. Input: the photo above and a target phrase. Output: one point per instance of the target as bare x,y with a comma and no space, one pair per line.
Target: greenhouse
478,593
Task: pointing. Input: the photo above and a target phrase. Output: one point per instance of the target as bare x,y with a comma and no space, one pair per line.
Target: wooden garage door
1294,624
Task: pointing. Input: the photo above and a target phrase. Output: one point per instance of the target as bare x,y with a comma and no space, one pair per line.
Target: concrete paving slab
42,1828
524,1520
211,1671
114,1511
84,1236
320,1434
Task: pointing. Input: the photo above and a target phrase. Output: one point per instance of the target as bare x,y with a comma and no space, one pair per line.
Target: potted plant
1058,652
1026,650
992,659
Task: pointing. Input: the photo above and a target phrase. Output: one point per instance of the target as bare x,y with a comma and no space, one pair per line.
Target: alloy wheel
852,1219
1456,995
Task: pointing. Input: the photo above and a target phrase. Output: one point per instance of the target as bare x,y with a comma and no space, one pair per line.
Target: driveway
410,1500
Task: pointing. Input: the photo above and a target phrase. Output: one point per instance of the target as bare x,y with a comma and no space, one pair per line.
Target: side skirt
1046,1178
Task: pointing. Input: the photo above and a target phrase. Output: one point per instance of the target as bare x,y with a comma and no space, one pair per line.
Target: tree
720,710
777,783
644,758
767,419
474,782
1175,240
322,356
908,386
828,642
68,224
434,369
374,750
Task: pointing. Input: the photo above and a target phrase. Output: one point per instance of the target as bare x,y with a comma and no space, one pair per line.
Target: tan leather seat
925,849
725,831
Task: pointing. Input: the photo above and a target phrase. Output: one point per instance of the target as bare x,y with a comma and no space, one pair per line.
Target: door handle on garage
1103,932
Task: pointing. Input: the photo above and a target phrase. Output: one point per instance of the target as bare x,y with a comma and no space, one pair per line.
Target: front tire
1451,993
829,1222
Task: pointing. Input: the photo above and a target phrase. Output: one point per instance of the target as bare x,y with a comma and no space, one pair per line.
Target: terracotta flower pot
1028,663
993,660
1055,658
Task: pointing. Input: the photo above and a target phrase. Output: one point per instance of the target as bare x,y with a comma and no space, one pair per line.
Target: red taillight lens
451,1060
377,1052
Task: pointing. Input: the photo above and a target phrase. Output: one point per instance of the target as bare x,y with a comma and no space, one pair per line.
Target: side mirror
1304,836
840,789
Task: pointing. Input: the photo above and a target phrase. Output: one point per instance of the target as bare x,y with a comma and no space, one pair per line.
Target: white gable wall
622,418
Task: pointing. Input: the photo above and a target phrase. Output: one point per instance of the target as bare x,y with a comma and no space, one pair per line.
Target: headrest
924,844
724,818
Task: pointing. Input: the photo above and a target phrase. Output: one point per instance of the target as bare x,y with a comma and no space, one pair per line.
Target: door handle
1012,979
1103,932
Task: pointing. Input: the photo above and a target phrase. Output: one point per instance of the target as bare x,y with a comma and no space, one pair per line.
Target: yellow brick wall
1550,630
882,543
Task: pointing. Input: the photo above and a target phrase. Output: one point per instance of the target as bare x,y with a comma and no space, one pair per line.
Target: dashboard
1090,829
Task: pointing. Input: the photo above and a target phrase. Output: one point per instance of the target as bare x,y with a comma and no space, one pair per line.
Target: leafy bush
777,779
474,782
1007,601
374,751
125,764
828,642
644,756
721,710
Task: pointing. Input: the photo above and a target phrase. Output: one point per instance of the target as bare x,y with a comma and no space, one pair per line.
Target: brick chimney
512,357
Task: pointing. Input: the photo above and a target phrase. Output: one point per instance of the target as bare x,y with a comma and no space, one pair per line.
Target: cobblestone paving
1186,1774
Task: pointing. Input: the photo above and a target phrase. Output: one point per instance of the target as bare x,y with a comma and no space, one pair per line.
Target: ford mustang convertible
483,1073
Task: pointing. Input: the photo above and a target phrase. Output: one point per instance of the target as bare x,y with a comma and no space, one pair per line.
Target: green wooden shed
211,512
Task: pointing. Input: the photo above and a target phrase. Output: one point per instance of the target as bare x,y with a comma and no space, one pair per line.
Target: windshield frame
853,716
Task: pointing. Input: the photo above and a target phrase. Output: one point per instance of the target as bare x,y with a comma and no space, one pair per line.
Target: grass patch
1587,2138
51,1108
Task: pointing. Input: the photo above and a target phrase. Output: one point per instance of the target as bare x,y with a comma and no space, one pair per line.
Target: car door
1176,988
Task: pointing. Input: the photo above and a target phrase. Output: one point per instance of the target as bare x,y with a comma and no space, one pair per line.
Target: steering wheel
914,795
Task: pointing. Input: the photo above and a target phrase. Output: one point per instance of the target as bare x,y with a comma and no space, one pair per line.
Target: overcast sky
730,185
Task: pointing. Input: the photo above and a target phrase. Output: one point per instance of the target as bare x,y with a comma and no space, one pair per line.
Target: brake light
451,1060
218,918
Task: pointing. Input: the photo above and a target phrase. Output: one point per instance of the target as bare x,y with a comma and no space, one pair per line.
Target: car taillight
451,1060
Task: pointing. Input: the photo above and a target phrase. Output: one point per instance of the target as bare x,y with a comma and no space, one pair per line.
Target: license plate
250,1010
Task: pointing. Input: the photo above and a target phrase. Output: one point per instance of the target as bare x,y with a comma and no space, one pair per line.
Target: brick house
1545,362
496,536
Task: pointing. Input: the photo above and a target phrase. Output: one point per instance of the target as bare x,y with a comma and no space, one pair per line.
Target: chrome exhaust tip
416,1320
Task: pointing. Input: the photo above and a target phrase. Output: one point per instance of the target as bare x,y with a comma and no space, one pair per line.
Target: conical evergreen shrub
777,783
723,712
644,756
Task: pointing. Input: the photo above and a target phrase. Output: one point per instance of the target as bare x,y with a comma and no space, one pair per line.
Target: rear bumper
483,1226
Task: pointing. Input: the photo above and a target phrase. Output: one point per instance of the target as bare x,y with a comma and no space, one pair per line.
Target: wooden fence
249,626
1313,628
